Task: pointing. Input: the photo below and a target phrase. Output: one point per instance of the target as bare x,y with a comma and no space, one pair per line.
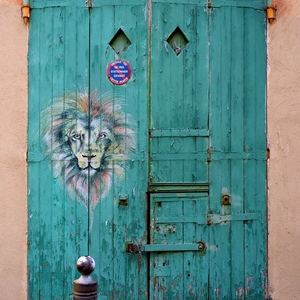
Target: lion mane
89,138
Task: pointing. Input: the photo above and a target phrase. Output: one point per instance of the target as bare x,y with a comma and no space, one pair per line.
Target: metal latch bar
169,247
175,187
217,219
200,219
209,219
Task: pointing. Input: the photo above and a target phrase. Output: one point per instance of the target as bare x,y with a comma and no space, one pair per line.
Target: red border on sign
112,65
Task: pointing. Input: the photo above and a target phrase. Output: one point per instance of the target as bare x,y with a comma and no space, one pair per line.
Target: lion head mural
89,138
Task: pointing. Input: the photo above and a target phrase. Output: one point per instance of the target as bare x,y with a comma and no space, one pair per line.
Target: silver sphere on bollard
85,287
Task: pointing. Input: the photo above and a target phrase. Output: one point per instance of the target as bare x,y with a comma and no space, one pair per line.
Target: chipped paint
166,229
240,293
217,292
248,288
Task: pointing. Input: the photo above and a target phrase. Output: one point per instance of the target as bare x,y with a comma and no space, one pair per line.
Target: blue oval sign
118,72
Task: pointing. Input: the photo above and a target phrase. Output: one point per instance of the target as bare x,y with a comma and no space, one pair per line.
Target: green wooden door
207,149
162,179
87,146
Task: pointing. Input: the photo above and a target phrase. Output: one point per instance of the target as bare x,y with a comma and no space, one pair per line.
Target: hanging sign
118,72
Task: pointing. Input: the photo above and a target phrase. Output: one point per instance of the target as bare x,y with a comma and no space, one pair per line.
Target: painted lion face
88,147
89,139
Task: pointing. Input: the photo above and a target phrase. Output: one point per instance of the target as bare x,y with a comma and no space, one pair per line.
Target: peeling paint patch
217,292
191,288
248,283
166,46
166,228
240,291
145,11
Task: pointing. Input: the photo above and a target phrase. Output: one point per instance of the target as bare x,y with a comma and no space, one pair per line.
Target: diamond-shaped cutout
177,41
176,145
120,42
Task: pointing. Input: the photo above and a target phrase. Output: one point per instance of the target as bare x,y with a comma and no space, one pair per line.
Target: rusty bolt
201,246
225,199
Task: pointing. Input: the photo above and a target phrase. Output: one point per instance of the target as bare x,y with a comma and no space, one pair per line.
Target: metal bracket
25,13
271,14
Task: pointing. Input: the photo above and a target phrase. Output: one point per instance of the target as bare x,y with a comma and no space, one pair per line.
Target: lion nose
89,157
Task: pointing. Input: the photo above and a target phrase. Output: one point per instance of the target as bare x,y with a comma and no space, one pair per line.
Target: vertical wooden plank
162,104
196,264
220,53
103,227
45,192
220,118
58,255
238,61
220,234
255,233
76,80
237,229
237,84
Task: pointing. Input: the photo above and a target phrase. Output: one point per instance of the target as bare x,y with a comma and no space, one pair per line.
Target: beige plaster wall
13,136
284,142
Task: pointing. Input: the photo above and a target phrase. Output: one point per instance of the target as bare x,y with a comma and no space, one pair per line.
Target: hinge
271,11
25,13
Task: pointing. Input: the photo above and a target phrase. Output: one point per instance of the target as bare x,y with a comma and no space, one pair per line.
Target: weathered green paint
178,274
58,227
238,144
120,275
200,135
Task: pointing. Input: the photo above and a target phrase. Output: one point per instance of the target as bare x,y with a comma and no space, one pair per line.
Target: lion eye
76,136
103,135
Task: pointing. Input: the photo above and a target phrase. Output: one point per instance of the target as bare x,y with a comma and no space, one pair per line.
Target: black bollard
85,288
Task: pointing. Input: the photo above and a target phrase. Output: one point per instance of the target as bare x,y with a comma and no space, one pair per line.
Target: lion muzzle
88,160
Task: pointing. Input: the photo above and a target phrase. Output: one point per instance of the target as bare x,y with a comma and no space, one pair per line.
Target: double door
146,148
